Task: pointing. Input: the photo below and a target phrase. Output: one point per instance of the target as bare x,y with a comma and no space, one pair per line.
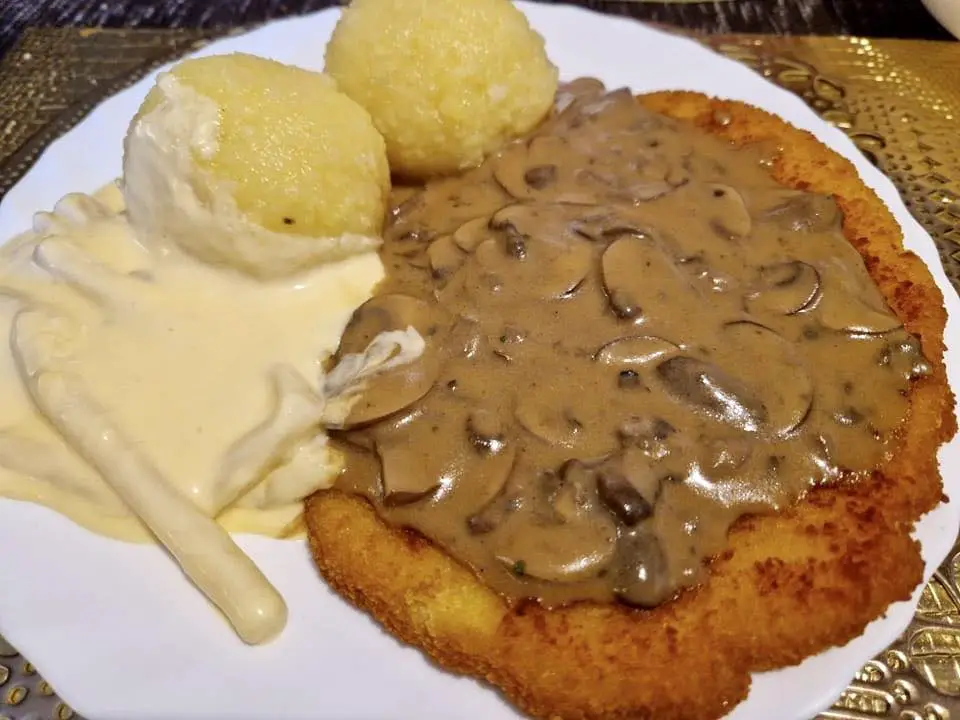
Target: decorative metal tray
882,93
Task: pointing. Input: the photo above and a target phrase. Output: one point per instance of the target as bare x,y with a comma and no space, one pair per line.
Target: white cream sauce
148,395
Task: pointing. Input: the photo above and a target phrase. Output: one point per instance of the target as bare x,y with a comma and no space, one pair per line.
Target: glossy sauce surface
634,336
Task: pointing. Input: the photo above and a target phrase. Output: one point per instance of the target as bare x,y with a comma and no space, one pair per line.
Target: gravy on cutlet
634,336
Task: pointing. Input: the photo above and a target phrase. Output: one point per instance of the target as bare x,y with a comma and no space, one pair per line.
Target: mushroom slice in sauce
510,498
654,437
709,277
404,479
465,337
787,393
402,219
554,421
634,351
580,88
646,191
384,313
535,263
637,273
627,504
486,431
785,288
640,569
728,211
804,212
472,233
483,456
530,172
846,313
904,356
706,388
575,543
725,456
487,471
445,257
564,553
390,391
628,486
591,105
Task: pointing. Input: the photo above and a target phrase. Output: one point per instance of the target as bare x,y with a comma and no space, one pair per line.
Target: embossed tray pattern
880,92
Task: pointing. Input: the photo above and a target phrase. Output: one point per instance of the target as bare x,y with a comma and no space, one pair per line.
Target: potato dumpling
446,81
246,161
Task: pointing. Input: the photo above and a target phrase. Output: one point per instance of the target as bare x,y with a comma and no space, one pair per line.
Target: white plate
947,13
118,631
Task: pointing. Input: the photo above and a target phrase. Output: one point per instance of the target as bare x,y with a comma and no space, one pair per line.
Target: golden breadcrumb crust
789,585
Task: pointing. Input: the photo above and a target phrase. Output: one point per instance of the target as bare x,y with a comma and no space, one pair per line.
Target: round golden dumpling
248,162
446,81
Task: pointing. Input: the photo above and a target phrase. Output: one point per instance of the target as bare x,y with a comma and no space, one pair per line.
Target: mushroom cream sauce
634,336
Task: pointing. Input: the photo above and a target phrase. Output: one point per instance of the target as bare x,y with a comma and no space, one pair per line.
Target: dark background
876,18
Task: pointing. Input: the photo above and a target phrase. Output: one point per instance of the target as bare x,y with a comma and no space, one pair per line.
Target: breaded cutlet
787,587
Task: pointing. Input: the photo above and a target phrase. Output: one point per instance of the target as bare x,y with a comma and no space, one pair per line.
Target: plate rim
913,232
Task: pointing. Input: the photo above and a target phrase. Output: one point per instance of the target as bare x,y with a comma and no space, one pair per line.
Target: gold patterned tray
880,92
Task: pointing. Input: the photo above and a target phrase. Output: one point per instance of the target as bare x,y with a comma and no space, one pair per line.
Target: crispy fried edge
788,587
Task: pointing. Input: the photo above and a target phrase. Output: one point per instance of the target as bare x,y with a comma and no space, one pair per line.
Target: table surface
872,18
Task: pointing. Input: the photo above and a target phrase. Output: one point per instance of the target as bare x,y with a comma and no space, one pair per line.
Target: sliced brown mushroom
531,171
445,257
575,541
465,337
627,266
573,495
412,202
607,223
723,457
554,421
488,470
653,436
787,393
622,499
785,288
804,212
845,312
561,553
641,574
677,175
472,233
555,426
404,478
384,313
477,464
405,222
522,219
704,387
486,431
579,88
646,191
495,513
540,177
728,212
580,108
390,391
634,351
904,356
710,277
628,486
535,256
